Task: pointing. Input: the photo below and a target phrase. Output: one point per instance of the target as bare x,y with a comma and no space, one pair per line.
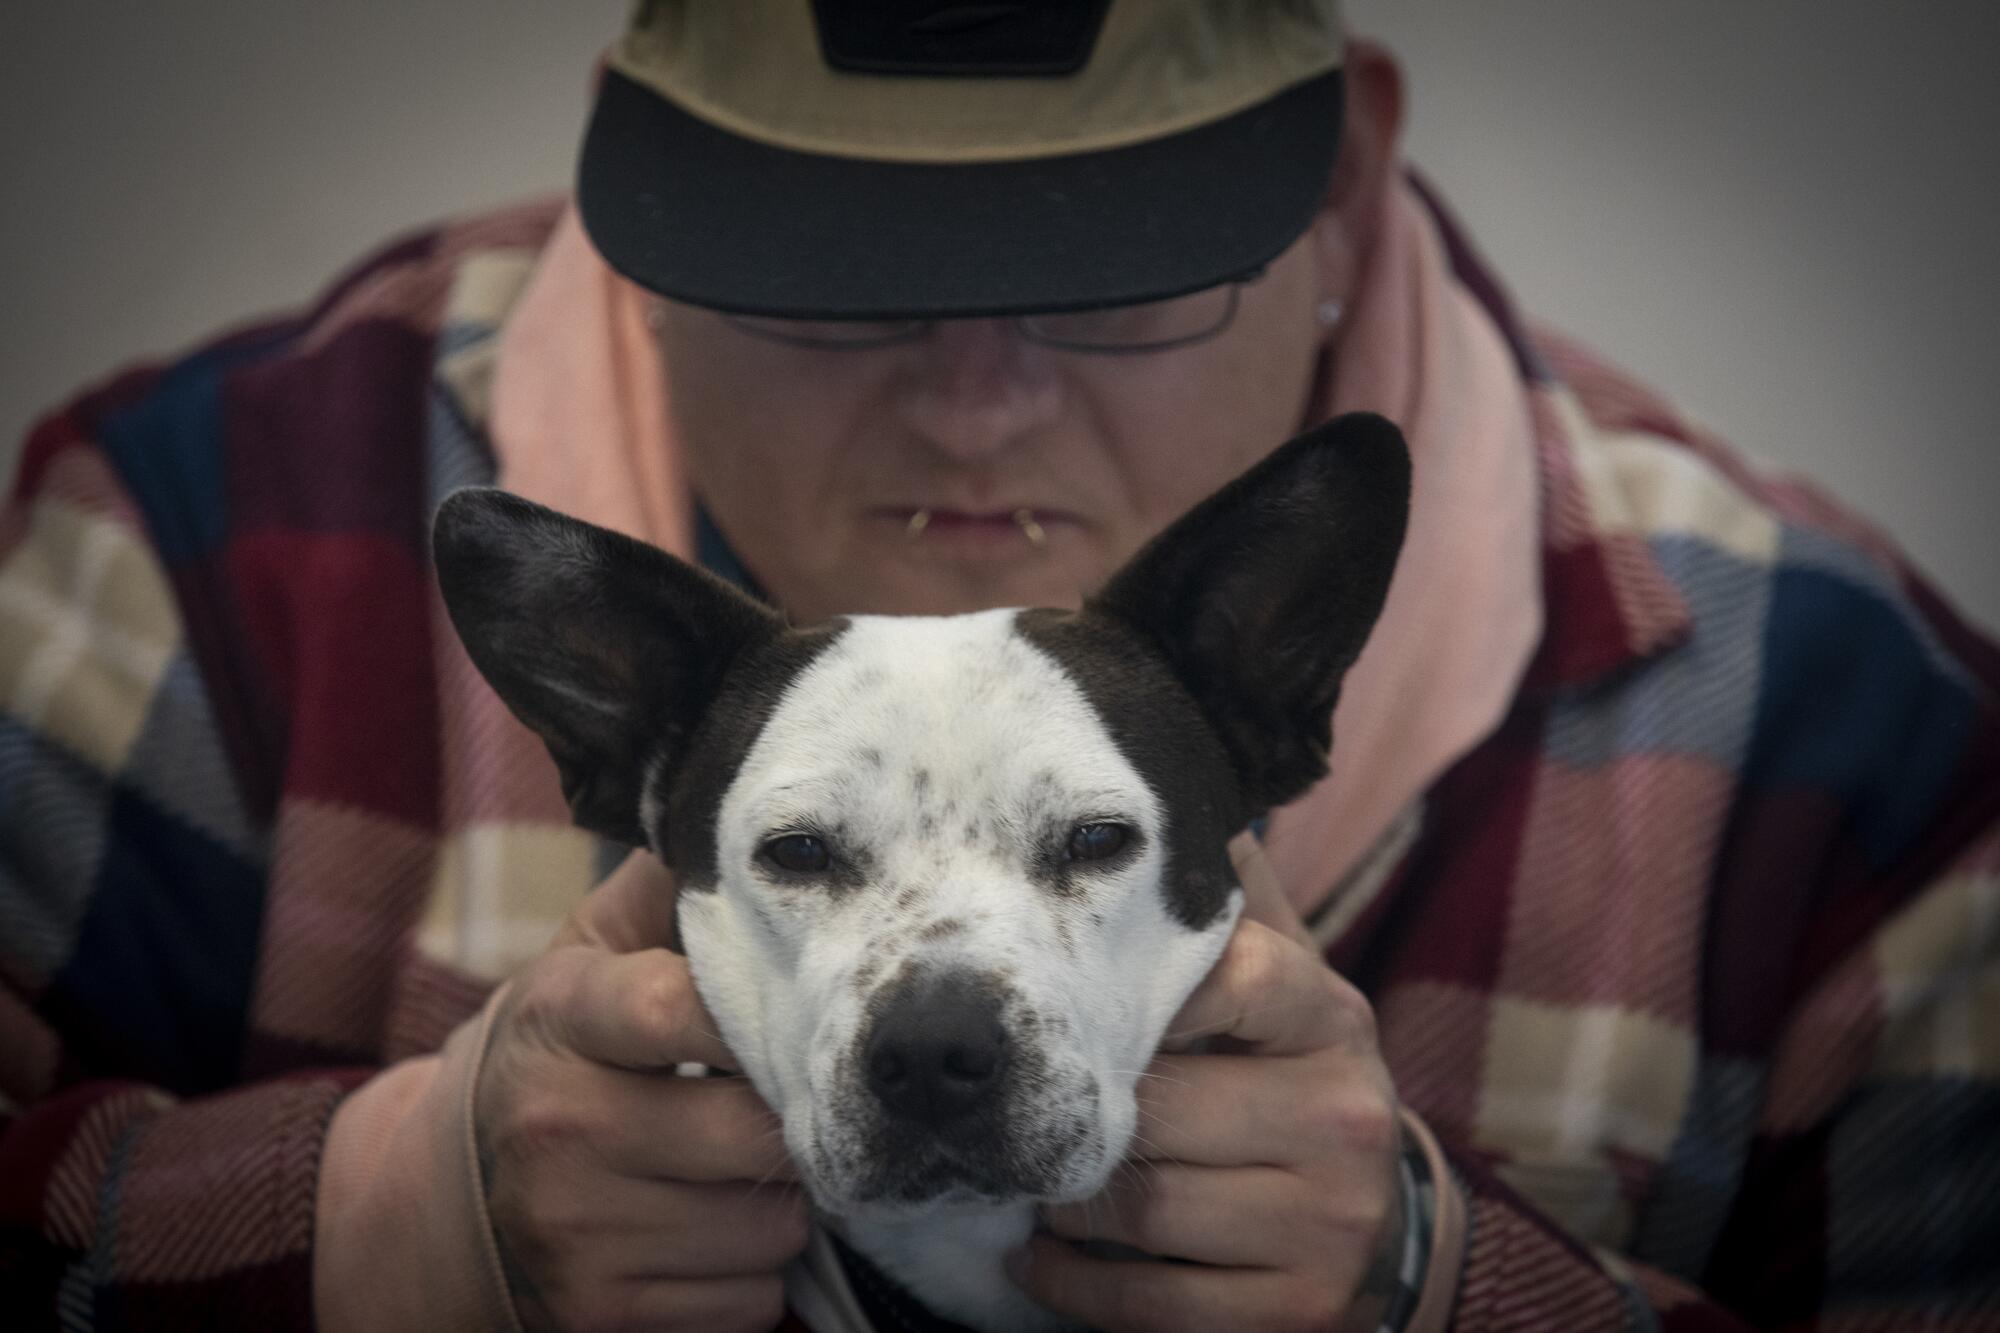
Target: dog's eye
1096,842
800,853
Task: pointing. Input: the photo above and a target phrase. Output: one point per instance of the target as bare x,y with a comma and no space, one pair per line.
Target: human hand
620,1194
1268,1161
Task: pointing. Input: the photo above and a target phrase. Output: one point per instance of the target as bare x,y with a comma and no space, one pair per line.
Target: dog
945,880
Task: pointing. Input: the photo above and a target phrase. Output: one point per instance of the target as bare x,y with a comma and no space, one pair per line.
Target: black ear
608,648
1262,595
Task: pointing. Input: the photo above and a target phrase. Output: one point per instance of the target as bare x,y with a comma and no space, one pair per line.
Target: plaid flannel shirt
1694,965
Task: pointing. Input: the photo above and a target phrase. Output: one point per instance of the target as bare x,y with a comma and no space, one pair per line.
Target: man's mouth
994,533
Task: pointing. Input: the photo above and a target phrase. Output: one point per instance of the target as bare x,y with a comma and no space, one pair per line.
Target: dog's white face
939,934
945,881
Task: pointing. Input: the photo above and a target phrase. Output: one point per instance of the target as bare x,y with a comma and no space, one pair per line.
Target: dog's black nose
938,1051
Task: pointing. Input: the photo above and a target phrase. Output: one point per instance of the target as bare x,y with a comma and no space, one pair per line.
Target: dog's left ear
1261,596
606,647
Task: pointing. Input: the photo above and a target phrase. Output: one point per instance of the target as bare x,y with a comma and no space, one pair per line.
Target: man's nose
977,386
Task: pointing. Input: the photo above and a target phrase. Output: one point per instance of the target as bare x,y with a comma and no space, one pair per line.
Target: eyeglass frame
1024,327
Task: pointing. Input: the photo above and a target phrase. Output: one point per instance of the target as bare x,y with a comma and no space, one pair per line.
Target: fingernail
1015,1262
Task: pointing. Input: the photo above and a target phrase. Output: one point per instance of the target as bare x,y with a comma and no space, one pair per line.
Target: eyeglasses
1148,326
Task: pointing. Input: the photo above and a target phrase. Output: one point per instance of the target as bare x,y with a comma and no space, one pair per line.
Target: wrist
1389,1288
400,1233
1435,1284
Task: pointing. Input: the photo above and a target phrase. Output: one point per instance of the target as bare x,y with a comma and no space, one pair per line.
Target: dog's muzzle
951,1091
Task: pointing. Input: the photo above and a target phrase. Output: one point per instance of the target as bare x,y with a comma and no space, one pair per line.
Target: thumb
1264,899
632,909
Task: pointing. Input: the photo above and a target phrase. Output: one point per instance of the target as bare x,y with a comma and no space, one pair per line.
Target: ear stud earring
1328,313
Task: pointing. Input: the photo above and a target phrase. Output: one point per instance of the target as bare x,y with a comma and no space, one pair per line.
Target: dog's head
945,880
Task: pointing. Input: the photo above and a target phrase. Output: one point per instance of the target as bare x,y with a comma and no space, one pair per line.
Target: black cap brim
715,219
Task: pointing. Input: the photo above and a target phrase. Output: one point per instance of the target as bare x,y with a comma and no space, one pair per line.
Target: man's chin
943,589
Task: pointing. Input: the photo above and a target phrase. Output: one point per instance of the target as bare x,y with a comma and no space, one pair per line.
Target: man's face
813,461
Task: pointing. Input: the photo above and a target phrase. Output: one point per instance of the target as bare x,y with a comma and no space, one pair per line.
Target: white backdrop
1779,212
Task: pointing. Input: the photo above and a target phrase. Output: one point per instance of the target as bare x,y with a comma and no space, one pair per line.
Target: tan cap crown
759,69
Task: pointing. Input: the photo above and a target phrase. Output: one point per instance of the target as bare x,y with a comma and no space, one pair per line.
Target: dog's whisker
775,1133
1126,1178
1156,1153
1139,1166
1147,1073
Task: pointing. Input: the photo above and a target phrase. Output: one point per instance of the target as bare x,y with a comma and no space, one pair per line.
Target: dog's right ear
607,648
1261,596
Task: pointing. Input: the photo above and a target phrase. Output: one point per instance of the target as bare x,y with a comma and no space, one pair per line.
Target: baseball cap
823,159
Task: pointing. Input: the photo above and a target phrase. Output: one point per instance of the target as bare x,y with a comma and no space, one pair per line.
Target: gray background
1781,212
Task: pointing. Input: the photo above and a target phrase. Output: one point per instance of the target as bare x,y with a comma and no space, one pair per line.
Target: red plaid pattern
1691,965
